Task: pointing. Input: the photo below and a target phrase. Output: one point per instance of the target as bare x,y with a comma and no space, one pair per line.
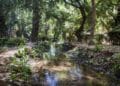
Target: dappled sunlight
58,68
60,43
37,65
9,53
12,51
63,74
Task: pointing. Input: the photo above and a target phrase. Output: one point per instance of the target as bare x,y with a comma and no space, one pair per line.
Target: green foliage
26,53
19,69
98,48
61,58
15,42
21,54
82,54
12,41
3,41
99,38
116,65
41,48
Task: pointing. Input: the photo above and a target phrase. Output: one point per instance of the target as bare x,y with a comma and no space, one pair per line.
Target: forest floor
100,61
104,60
6,56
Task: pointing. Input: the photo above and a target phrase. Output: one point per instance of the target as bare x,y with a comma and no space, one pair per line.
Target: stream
69,73
63,72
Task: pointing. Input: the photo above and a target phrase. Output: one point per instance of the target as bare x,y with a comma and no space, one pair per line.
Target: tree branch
71,4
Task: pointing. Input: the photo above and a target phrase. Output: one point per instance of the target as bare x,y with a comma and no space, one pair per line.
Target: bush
19,69
15,42
116,65
26,52
41,48
98,48
3,41
12,41
99,38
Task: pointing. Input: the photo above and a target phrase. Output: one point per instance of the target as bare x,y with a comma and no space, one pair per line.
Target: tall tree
81,6
5,7
36,20
93,20
3,27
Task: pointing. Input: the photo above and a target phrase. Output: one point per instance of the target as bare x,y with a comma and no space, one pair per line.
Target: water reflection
51,79
72,76
66,73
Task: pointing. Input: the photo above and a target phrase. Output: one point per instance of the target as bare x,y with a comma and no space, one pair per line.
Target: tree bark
36,21
117,18
93,21
3,27
78,32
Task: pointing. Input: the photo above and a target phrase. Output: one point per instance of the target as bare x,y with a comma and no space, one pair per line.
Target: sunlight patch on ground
58,68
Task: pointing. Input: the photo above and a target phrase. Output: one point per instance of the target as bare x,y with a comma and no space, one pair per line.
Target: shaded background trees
74,20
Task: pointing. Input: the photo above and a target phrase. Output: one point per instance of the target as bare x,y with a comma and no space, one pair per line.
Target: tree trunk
36,21
78,32
93,21
117,18
3,27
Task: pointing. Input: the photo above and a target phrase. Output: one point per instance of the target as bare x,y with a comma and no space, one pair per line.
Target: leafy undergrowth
10,42
100,59
24,65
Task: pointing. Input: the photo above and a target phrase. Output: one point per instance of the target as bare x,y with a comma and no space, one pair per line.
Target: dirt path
12,51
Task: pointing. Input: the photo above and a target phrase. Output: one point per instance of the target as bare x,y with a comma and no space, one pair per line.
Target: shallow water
65,73
73,75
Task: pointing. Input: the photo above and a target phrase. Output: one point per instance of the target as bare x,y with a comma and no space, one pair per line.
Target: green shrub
12,41
116,65
98,48
99,38
41,48
15,42
3,41
19,69
26,52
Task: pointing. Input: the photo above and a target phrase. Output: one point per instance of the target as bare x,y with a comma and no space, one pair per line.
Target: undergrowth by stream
31,65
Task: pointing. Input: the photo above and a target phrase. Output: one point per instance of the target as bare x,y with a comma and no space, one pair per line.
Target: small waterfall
52,49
